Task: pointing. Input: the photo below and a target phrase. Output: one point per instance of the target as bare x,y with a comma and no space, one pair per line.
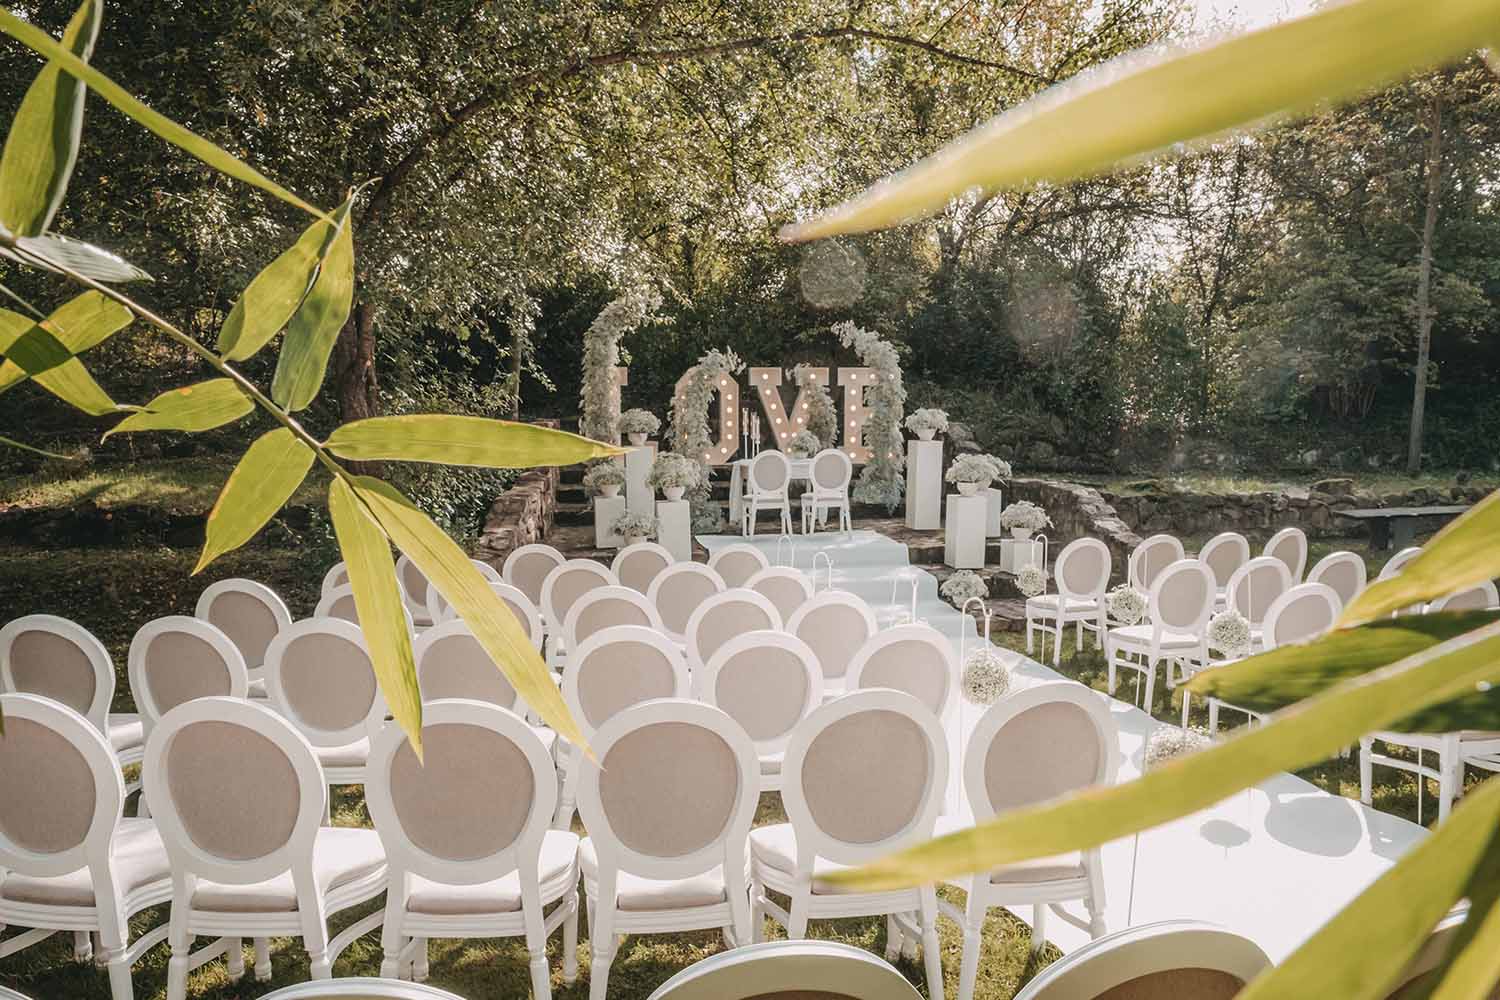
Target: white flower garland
1168,743
822,418
1031,580
688,431
986,677
1229,633
601,354
1126,604
881,481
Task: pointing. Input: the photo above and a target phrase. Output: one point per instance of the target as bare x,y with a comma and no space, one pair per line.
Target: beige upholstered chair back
320,678
1303,612
679,590
770,472
766,681
1082,568
620,667
831,471
736,564
451,663
527,568
58,659
249,613
1224,553
1289,545
1256,585
1150,558
785,587
637,565
1343,571
917,659
835,625
1478,598
178,659
1182,596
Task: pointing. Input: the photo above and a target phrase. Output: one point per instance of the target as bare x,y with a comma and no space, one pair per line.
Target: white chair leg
1366,766
1057,641
1213,717
177,966
1184,709
1038,928
419,967
892,938
392,941
602,935
570,941
932,954
83,946
968,970
234,959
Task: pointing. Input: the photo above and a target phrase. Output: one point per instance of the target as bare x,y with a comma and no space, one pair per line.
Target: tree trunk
354,365
1424,287
518,363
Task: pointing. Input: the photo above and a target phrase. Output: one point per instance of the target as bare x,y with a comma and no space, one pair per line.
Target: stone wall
1078,511
521,515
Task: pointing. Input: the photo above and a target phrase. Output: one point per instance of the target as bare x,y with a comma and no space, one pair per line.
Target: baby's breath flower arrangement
635,527
1031,580
965,585
1126,605
986,676
1229,633
1168,743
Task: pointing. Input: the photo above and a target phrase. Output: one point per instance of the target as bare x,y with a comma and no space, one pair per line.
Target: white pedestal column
1018,553
963,532
606,510
924,485
675,531
992,527
639,496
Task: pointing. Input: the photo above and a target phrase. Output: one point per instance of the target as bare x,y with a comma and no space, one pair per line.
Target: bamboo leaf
1464,553
265,478
31,346
1138,104
77,325
1473,956
44,136
1288,674
1299,735
382,615
43,44
52,252
269,301
13,443
451,572
453,440
315,326
1360,952
191,408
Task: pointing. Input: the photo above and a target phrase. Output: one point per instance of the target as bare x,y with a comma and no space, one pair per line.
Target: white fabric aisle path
1273,863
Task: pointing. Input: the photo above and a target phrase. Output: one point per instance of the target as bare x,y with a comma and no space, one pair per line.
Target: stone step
573,514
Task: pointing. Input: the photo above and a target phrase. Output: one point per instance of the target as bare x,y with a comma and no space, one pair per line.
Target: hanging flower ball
986,677
1031,580
1168,743
1229,633
1126,604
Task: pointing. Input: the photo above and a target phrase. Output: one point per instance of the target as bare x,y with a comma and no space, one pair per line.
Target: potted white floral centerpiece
925,423
673,474
638,425
635,528
1022,518
963,586
804,444
972,473
604,478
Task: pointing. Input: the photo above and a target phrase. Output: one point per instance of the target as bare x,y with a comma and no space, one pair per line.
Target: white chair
563,586
527,614
1031,747
339,603
835,625
55,658
360,988
724,616
1301,613
414,584
863,777
737,563
1480,597
466,838
830,472
249,858
814,970
607,607
767,484
1150,558
767,682
783,586
677,592
636,566
1178,607
438,608
668,806
176,659
1252,590
251,614
527,567
319,677
1170,960
610,672
451,663
1224,553
1082,575
337,576
1343,571
1397,562
1290,546
916,659
68,861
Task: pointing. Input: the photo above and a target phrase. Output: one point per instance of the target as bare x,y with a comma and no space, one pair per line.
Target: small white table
675,528
924,485
963,532
739,475
639,496
606,510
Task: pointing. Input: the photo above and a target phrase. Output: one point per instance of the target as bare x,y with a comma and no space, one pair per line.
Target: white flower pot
926,433
1020,533
968,489
674,492
637,439
634,539
609,490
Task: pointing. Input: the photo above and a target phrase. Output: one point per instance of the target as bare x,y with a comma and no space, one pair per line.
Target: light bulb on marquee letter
719,452
854,381
768,381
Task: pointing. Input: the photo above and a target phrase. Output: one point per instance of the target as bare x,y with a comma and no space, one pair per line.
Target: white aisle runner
1273,863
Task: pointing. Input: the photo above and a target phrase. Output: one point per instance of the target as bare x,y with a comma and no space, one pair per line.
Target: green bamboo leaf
455,577
77,325
43,44
55,253
1304,733
31,346
1289,674
1138,104
1473,956
269,301
12,442
1464,553
266,477
382,615
452,440
44,136
192,408
316,324
1359,953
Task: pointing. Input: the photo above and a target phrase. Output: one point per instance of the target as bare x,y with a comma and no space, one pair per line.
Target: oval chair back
1290,546
1182,598
565,585
339,603
806,969
58,659
636,566
337,576
608,607
451,663
737,563
1343,571
770,472
1255,586
527,567
360,988
250,613
620,667
1224,553
177,659
1150,558
414,584
1397,562
438,608
724,616
320,678
915,659
831,471
767,682
835,625
783,586
1481,597
679,590
526,613
1303,612
1082,570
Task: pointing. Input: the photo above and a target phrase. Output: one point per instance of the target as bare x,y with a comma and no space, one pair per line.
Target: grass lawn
174,486
1220,484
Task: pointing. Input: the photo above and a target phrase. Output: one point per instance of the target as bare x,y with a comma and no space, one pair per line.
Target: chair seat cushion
634,892
1057,868
502,895
1140,635
125,732
352,755
776,847
139,860
341,854
1048,602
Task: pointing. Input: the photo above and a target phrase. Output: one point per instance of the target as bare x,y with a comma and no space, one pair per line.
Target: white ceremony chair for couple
1289,545
250,614
58,659
69,861
831,471
636,566
835,624
668,806
339,603
436,606
864,776
768,682
1224,553
249,856
1033,746
466,839
784,586
1343,571
1170,960
737,563
1082,575
677,592
1177,607
722,617
767,484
